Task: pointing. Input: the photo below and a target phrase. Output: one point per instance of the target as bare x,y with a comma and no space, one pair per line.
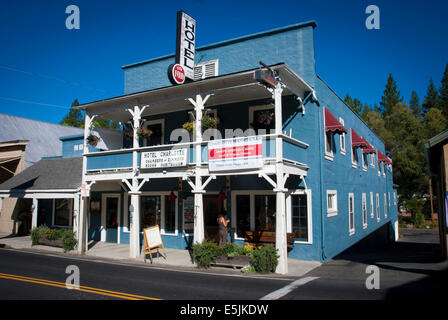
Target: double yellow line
80,288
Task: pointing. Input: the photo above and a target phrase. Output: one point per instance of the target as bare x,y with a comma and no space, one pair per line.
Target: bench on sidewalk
267,237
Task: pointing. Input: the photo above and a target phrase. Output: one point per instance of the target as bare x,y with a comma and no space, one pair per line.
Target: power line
34,102
44,76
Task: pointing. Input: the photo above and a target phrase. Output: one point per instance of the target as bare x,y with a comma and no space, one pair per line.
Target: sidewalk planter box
233,262
53,243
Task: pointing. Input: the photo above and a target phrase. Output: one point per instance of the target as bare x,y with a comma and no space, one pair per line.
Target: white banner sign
164,159
235,154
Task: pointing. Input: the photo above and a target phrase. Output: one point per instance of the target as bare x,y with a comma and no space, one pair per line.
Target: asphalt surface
408,269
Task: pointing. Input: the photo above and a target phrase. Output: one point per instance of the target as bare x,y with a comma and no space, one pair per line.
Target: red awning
369,148
383,158
357,141
332,124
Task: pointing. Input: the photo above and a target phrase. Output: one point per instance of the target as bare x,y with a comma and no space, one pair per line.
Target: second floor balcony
249,120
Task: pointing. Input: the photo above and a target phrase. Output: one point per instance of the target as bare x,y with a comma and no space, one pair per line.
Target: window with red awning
332,124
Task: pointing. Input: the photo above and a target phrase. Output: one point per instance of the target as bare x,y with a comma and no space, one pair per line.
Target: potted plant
263,119
93,140
189,126
144,133
209,121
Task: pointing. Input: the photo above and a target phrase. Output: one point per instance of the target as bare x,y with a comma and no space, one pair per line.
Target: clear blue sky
44,66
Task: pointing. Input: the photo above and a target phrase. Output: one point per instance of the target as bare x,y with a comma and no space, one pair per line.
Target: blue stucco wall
293,45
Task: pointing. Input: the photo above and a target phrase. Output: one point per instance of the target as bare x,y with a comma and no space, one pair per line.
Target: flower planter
53,243
233,262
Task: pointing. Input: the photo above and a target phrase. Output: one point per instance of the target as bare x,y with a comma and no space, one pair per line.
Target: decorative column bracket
137,188
278,186
202,187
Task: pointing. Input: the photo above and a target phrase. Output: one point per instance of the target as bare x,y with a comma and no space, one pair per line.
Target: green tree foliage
74,118
414,104
390,97
443,94
431,99
435,122
354,104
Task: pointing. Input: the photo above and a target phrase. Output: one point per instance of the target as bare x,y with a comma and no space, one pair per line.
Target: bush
69,241
231,250
204,253
36,233
264,259
68,237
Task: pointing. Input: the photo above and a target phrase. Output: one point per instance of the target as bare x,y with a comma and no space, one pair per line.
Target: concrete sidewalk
120,252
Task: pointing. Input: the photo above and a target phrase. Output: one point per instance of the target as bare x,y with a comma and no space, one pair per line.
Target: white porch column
134,241
76,202
280,219
83,203
34,218
198,190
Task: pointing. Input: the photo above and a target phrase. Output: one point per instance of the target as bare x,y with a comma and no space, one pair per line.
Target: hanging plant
93,140
264,118
189,126
209,121
144,133
128,133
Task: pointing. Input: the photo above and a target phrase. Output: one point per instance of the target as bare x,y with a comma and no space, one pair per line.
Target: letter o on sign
176,74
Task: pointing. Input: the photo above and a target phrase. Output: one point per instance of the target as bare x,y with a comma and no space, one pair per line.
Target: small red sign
176,74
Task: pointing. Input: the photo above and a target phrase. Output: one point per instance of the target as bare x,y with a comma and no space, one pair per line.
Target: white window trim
372,160
343,139
163,195
253,193
331,212
329,154
354,157
351,197
364,161
202,65
385,206
371,206
156,121
378,218
364,211
53,212
395,198
388,194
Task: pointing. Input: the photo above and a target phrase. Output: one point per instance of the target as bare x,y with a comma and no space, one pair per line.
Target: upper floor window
262,119
329,145
351,213
342,138
206,69
332,203
354,157
364,210
157,128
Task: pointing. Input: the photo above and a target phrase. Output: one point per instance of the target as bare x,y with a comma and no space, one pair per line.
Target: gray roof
43,136
49,174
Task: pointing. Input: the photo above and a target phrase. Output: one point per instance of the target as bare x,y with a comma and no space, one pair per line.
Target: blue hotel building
317,171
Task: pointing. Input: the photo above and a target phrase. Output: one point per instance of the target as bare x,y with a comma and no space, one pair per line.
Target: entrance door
212,207
110,217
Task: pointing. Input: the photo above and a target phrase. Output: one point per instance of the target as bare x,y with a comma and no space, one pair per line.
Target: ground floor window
62,212
351,213
299,216
155,209
256,211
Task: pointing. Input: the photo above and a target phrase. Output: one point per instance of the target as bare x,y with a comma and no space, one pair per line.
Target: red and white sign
235,154
176,74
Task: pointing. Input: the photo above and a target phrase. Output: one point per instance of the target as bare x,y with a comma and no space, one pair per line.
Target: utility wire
34,102
44,76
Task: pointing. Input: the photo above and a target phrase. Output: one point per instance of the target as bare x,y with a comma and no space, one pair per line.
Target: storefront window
299,216
150,211
242,214
265,206
63,212
170,215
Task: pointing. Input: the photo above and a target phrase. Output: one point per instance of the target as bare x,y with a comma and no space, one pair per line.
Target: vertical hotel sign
185,43
235,154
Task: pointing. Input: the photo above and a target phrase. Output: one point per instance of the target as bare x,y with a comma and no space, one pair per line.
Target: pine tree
431,98
443,94
74,118
414,104
391,96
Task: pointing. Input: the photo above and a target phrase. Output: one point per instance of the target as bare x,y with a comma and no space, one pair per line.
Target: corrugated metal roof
43,136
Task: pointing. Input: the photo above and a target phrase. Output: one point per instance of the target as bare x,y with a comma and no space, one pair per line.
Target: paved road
407,269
